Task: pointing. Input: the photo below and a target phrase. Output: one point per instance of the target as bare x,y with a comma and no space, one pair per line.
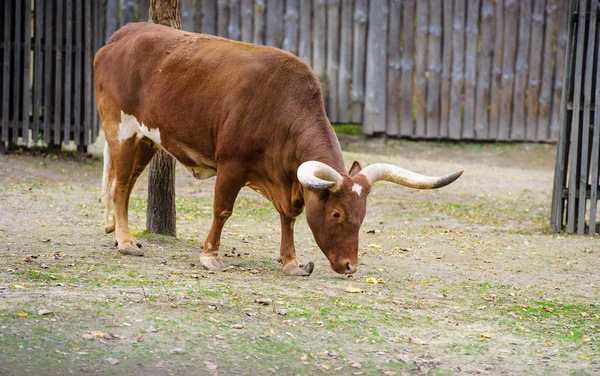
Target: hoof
130,249
109,228
212,263
295,270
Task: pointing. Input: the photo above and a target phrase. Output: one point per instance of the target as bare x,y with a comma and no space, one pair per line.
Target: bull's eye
336,214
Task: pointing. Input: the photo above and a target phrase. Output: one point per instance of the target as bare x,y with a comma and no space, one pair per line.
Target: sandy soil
473,280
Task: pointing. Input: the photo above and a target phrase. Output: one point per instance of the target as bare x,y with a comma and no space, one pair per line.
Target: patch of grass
352,129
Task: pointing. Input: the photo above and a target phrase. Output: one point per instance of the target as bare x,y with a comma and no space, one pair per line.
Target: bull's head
336,204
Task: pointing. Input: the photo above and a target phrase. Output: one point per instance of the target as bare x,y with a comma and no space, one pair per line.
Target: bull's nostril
348,267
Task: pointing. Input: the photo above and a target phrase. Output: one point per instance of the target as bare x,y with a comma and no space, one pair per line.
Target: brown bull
251,115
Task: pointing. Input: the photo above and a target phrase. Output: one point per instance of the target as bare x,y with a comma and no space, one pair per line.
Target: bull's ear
355,168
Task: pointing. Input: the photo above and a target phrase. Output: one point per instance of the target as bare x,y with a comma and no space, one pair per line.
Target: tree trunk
160,214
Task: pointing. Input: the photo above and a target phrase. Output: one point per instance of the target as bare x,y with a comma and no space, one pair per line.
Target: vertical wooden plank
58,72
48,70
6,71
223,18
595,155
421,65
274,33
394,65
585,125
144,9
78,99
88,45
472,32
545,96
27,19
198,5
320,38
333,58
209,17
562,152
485,66
112,18
564,16
511,28
38,72
495,92
446,69
234,20
458,70
68,69
128,11
345,62
517,131
16,73
575,122
97,31
290,41
358,59
535,69
247,20
187,12
305,30
259,22
435,68
375,102
408,64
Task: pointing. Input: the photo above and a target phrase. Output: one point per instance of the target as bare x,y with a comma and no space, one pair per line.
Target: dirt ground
473,280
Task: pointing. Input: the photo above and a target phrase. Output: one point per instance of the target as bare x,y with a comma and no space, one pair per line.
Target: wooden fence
444,69
46,76
577,173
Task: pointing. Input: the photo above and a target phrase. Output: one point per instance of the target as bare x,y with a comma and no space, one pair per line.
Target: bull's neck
321,144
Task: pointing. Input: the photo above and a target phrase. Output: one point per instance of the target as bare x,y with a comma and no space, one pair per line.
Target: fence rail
442,69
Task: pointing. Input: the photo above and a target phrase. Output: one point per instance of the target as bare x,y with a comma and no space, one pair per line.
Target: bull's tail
105,197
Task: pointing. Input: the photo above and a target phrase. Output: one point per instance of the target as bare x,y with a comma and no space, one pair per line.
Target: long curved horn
318,175
384,171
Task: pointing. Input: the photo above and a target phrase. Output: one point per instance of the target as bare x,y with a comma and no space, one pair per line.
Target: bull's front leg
230,179
290,265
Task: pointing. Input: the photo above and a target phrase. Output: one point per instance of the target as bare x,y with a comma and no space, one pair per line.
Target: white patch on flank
357,188
130,127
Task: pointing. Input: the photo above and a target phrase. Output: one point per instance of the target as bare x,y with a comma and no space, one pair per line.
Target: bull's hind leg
127,160
230,179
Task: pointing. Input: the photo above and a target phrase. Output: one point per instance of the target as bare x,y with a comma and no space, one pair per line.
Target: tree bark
160,214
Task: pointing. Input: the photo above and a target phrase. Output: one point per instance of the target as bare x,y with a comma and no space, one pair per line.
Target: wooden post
376,70
26,107
143,6
128,10
305,31
561,46
485,67
234,20
472,32
535,69
38,74
458,70
187,15
358,59
209,17
545,98
446,69
161,214
112,18
247,20
345,62
222,18
435,68
408,63
68,72
517,125
394,65
511,28
58,87
421,67
274,33
290,42
79,53
259,22
595,158
333,58
495,94
319,38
